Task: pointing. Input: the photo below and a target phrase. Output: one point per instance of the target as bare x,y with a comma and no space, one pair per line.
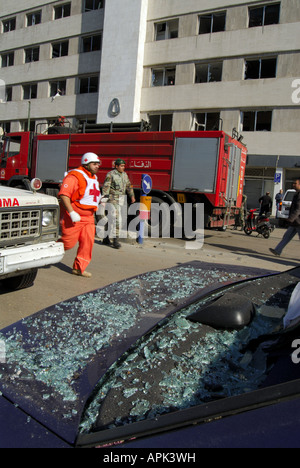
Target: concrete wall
47,69
122,60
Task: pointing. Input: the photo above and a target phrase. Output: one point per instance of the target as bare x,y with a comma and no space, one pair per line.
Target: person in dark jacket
293,220
265,204
279,198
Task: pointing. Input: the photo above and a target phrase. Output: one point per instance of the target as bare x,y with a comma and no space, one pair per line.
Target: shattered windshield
84,362
183,364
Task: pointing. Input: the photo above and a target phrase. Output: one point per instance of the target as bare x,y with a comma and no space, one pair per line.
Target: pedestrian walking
293,220
115,186
265,204
80,196
278,199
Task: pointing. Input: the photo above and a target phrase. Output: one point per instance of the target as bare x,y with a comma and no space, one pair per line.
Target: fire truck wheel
20,282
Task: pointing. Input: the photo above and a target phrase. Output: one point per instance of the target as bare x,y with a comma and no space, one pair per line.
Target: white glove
75,217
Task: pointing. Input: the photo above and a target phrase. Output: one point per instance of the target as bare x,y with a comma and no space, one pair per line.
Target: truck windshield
12,146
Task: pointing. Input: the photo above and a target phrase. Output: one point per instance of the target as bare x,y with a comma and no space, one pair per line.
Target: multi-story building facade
192,65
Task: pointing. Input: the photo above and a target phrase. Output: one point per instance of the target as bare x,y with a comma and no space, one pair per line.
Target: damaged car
197,355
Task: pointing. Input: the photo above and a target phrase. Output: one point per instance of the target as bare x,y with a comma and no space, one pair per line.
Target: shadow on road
254,254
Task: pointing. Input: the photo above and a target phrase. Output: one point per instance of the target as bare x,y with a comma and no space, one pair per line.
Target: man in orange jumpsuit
80,196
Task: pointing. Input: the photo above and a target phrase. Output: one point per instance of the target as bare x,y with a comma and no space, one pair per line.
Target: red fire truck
185,166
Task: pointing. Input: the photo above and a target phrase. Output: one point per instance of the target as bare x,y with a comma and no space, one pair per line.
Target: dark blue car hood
55,358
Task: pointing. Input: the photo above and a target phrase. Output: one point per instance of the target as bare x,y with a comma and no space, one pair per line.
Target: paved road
56,283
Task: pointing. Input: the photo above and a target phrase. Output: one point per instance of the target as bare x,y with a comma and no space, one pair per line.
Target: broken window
265,15
32,54
211,23
260,68
34,18
30,91
161,122
166,30
163,76
62,11
207,121
57,87
7,60
91,43
257,121
60,49
88,84
208,72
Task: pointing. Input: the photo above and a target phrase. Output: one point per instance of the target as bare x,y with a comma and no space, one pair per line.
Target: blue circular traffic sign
146,183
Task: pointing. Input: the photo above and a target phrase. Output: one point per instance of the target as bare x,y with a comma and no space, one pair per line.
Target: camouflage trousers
114,219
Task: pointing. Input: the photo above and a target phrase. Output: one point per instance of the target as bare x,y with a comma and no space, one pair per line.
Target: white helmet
88,158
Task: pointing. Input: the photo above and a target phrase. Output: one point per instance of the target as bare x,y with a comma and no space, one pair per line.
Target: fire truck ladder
231,163
112,127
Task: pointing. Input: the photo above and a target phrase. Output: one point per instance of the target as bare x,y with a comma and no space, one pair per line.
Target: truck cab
15,159
29,229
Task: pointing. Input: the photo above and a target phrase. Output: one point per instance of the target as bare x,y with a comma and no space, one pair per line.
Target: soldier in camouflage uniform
115,186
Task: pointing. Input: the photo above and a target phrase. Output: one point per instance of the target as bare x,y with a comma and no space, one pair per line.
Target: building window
7,60
60,49
8,94
24,125
163,76
166,30
208,72
5,126
90,5
5,94
34,18
260,68
30,91
264,15
62,11
88,84
211,23
207,121
256,121
32,54
57,87
161,122
9,25
91,43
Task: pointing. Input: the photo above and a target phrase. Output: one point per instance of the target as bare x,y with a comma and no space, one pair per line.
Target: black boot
116,243
106,241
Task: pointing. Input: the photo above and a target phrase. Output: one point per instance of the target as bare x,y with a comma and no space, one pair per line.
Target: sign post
145,204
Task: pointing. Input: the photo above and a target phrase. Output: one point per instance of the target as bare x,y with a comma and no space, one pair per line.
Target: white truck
29,229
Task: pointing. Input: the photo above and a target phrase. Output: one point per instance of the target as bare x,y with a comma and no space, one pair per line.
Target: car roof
57,356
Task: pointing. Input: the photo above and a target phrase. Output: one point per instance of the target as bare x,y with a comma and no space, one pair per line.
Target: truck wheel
20,282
